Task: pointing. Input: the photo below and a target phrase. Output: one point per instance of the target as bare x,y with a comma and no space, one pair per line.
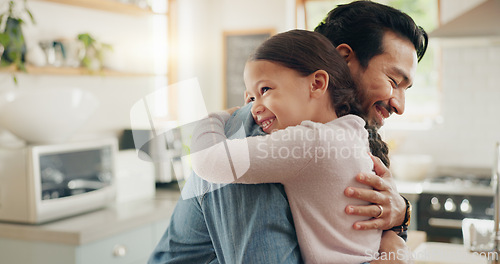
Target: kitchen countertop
116,218
92,226
445,253
409,187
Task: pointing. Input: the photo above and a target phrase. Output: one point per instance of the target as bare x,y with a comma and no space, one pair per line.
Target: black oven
446,200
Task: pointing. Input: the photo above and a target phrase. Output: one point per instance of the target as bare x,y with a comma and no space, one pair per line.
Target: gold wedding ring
381,211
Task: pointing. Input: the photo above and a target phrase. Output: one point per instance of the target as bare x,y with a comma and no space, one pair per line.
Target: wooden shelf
106,5
74,71
114,6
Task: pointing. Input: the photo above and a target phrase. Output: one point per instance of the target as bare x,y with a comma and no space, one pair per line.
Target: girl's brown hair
306,52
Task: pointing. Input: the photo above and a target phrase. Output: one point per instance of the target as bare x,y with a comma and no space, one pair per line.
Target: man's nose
397,102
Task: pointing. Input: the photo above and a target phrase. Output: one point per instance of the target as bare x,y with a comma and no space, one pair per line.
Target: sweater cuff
223,116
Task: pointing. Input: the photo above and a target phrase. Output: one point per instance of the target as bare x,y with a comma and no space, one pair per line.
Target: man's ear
346,52
319,85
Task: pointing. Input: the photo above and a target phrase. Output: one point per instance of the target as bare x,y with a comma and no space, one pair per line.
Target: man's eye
264,89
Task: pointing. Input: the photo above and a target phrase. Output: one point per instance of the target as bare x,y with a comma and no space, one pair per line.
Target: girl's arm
262,159
393,250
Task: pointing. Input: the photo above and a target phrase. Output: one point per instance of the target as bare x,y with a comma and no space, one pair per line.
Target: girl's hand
384,193
232,109
393,250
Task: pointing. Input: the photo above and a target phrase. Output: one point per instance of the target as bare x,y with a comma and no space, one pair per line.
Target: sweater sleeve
273,158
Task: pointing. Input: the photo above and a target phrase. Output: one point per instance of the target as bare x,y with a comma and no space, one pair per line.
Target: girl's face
281,96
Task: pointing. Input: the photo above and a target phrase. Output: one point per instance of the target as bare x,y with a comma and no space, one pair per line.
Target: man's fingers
379,167
373,181
369,224
370,211
367,210
365,195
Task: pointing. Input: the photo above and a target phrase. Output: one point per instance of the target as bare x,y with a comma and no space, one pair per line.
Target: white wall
470,104
201,27
451,9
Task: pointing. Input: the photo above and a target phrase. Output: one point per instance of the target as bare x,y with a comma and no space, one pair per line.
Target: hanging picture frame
238,46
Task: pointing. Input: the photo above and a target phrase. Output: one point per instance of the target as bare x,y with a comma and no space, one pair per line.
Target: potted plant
93,52
11,36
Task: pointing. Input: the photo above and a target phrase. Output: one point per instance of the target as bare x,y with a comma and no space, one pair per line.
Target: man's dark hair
362,24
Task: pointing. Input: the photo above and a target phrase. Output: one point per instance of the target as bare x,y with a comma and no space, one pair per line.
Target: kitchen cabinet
126,248
124,233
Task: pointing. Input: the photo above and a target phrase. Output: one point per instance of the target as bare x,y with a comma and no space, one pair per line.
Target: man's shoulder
241,124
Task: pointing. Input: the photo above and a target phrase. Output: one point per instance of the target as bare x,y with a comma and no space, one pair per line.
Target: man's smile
382,113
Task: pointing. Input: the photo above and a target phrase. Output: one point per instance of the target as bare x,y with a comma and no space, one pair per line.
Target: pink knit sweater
315,162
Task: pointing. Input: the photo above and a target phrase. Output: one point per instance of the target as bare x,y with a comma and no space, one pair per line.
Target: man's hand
384,193
393,250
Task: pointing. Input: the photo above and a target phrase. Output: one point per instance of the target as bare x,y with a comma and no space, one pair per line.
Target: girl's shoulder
352,120
344,130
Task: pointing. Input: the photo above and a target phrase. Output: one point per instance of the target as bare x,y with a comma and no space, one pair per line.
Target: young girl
304,97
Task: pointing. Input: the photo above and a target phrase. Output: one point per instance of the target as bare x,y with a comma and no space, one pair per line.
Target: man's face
384,81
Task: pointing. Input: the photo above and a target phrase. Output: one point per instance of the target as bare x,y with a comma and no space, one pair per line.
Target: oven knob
435,205
449,205
465,206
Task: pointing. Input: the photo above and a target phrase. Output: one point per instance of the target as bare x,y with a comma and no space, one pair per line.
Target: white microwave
41,183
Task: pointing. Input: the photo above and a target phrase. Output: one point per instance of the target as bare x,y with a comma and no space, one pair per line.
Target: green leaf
4,39
4,63
12,55
86,62
31,16
20,66
86,39
107,46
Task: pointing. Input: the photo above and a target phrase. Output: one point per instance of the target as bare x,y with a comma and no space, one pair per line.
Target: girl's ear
346,52
245,94
319,85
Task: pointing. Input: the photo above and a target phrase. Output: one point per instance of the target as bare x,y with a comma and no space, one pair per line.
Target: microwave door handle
80,184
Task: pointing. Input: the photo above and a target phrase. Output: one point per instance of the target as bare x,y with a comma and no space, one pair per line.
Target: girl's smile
266,124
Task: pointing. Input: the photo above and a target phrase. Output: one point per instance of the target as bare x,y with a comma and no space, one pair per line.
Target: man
252,223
